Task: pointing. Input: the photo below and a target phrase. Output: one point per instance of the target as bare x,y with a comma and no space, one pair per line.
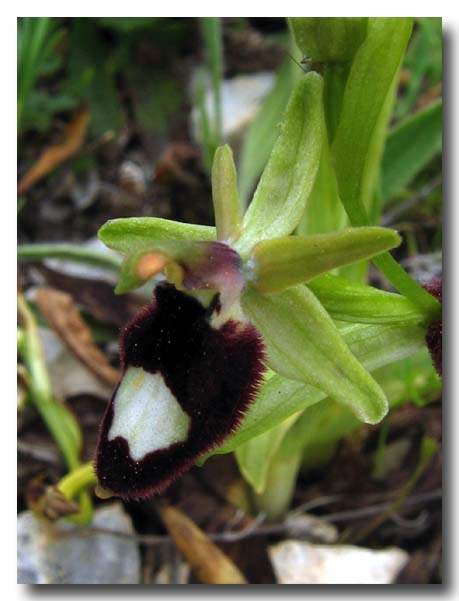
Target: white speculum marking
146,414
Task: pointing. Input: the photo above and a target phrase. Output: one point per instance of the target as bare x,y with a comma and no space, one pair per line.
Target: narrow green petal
225,196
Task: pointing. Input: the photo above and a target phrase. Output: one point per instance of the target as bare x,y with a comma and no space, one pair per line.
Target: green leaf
254,457
284,262
303,344
328,39
263,132
360,135
409,147
225,197
124,234
423,60
369,89
346,300
279,397
287,180
126,25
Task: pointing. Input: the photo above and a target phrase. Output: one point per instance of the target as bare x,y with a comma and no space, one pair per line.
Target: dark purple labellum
435,331
185,387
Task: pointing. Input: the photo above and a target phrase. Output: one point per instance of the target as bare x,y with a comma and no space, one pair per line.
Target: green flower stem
77,480
87,256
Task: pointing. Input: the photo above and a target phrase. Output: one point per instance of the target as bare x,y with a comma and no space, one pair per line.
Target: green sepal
126,233
346,300
283,262
227,210
287,180
303,343
328,39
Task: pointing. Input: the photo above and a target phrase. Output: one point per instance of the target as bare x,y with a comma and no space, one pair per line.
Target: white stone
241,98
49,554
296,562
146,414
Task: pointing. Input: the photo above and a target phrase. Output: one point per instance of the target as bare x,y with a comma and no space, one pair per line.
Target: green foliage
280,398
423,62
37,39
126,25
409,147
358,144
310,437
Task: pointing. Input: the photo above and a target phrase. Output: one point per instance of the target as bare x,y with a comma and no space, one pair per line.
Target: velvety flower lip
205,376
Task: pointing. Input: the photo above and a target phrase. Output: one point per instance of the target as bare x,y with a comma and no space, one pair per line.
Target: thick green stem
77,480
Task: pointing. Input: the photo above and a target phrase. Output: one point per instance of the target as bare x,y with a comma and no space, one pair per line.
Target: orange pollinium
151,264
